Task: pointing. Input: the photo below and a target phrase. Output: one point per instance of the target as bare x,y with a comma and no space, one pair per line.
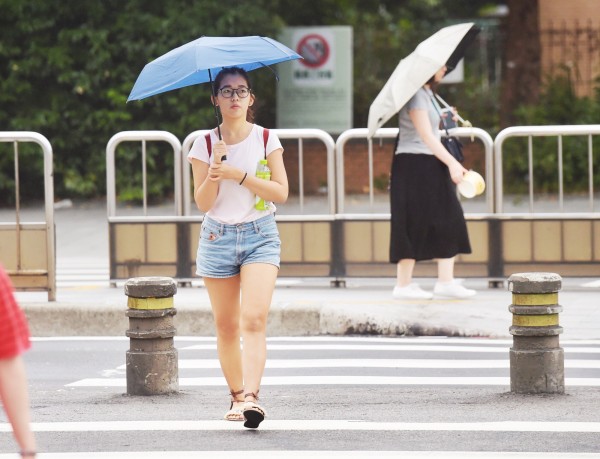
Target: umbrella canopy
445,47
196,62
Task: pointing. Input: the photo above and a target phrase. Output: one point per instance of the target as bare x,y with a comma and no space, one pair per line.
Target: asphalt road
398,397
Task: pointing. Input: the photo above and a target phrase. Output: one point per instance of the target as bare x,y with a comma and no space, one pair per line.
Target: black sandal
254,414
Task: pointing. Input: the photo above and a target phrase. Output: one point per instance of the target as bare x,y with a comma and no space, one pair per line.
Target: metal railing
34,137
353,242
143,137
390,133
543,131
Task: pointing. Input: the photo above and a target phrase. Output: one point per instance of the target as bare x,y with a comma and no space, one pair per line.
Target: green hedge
558,105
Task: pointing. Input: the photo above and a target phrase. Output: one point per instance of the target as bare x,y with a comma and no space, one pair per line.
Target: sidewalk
311,307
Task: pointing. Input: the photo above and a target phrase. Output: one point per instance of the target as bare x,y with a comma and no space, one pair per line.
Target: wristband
245,175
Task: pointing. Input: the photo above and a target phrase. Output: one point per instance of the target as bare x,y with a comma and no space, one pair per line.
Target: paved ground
420,397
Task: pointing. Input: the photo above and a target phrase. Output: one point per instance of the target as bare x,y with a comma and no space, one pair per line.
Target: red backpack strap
265,139
208,144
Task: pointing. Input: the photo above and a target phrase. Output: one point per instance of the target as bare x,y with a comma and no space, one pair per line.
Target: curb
285,319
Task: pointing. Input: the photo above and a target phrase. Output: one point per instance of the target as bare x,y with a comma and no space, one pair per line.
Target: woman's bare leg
445,269
257,285
15,398
404,272
225,301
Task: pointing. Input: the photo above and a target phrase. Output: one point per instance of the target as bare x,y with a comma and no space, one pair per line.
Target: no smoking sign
314,49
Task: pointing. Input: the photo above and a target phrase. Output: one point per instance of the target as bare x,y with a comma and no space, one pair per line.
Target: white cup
471,185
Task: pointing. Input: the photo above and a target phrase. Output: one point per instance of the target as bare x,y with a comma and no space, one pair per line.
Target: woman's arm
276,189
420,119
206,180
205,190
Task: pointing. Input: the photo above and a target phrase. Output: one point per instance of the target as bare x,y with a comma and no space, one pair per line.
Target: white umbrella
445,47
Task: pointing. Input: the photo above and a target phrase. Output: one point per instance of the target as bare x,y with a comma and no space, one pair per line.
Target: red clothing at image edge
14,330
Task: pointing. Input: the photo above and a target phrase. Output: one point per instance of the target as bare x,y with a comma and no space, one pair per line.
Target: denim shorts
224,249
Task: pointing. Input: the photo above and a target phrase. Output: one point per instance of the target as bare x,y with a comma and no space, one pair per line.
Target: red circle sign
314,49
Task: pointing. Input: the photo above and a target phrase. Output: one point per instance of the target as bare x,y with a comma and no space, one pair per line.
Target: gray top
410,141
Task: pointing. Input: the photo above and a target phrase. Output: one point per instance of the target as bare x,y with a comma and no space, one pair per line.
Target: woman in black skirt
427,219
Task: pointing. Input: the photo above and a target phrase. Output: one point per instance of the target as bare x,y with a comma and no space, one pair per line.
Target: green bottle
262,172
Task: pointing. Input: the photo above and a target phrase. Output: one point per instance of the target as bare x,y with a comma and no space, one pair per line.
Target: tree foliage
558,105
66,69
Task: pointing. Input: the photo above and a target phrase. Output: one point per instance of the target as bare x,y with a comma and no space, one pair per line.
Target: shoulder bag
450,143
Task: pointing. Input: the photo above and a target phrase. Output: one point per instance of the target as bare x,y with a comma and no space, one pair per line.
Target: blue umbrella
197,61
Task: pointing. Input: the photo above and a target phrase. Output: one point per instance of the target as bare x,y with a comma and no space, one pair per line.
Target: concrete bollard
151,359
537,362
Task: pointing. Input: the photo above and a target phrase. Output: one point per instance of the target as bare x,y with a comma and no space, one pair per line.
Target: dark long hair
235,71
433,85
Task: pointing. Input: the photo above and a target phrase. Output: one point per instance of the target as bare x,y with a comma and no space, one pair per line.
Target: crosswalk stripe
341,380
399,347
460,347
249,454
340,339
80,273
314,425
375,363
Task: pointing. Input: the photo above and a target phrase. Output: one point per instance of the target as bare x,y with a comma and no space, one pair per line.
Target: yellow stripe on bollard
150,303
535,299
542,320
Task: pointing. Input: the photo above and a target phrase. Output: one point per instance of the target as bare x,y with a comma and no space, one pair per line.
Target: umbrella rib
271,69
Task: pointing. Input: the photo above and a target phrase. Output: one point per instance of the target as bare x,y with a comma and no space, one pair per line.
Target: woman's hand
450,116
456,171
219,150
455,117
420,119
223,171
220,170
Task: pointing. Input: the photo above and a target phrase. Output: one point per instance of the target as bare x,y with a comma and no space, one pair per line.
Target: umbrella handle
218,121
212,91
468,124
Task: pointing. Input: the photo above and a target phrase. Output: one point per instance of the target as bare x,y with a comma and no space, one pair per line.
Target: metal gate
27,249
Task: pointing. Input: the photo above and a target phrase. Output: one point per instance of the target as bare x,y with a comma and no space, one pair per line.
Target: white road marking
376,363
114,377
342,380
313,425
592,284
337,339
249,454
391,348
41,339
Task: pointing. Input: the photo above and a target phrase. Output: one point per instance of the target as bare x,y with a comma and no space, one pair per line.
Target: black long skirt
427,218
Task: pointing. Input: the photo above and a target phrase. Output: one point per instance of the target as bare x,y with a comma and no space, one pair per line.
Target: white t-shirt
235,203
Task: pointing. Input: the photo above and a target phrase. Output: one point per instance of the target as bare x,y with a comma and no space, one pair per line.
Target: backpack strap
208,144
265,139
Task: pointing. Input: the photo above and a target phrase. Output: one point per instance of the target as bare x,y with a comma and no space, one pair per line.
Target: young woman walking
239,249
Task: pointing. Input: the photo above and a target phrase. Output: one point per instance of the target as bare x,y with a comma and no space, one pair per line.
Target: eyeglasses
242,92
